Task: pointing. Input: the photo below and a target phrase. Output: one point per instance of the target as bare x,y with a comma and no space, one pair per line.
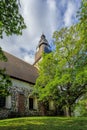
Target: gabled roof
19,69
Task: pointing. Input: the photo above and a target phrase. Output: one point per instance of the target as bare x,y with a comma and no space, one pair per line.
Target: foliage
11,21
2,56
42,123
5,83
46,74
82,13
81,107
63,73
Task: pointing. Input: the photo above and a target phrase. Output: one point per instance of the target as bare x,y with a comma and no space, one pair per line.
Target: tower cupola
43,40
43,47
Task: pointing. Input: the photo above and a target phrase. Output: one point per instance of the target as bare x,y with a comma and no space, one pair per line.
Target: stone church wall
17,103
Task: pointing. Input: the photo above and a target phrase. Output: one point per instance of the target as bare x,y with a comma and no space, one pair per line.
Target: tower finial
43,36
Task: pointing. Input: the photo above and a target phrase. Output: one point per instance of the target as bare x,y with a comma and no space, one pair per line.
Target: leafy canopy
63,73
11,22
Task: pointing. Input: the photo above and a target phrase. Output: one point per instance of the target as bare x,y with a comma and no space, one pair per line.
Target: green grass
44,123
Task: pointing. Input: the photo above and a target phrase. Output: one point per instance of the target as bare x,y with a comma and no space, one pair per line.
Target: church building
21,102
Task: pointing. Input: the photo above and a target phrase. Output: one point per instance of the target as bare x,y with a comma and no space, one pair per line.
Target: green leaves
5,83
2,56
63,73
83,22
81,107
11,21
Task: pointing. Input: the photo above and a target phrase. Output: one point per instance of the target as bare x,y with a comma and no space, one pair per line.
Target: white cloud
52,4
52,15
70,12
29,59
41,16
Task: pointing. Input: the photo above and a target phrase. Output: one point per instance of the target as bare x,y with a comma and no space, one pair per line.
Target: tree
5,81
81,107
82,27
63,73
11,22
67,66
82,14
46,74
72,66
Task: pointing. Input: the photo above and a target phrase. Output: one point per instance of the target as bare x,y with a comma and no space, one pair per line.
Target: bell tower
43,47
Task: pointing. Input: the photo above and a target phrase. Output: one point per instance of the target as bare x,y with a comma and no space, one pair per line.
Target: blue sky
41,16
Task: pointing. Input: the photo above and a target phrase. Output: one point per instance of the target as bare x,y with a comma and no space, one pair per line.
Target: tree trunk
67,111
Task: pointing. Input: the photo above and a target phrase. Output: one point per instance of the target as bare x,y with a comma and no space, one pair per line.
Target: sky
40,16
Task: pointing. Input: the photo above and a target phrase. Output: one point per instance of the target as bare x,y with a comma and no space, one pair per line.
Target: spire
43,47
43,40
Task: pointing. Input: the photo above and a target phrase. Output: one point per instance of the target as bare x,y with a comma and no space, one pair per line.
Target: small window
30,103
2,102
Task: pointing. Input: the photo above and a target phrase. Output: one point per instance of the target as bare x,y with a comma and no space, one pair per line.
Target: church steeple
43,47
43,40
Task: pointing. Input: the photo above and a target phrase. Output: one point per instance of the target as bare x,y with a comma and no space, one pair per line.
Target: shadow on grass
44,123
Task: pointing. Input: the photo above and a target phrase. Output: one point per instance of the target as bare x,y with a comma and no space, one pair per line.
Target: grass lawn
44,123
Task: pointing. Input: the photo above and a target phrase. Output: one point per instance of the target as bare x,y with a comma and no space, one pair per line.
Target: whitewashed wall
21,84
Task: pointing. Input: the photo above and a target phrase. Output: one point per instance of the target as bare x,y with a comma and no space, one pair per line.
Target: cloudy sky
41,16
